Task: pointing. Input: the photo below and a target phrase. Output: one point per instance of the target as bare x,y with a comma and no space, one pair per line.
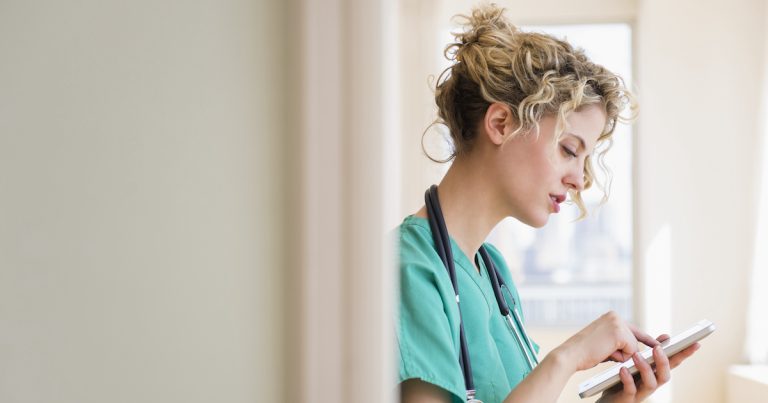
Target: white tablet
671,346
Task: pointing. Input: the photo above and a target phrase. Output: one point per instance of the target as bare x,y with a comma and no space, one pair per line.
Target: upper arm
418,391
427,326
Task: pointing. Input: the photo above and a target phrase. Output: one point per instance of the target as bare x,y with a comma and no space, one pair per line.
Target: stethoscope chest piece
471,397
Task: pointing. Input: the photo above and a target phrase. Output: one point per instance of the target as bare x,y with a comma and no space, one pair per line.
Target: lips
556,200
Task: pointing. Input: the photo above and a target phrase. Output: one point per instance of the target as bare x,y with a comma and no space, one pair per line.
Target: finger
619,356
663,337
678,358
643,337
646,373
629,382
663,371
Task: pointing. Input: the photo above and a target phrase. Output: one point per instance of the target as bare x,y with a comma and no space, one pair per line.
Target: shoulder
415,244
421,271
427,318
414,231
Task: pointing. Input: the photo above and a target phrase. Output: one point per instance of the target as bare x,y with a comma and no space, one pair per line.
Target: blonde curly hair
534,74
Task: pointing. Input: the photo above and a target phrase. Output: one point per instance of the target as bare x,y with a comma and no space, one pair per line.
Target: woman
525,112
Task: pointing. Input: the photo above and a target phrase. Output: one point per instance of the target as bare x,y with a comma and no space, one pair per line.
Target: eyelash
568,151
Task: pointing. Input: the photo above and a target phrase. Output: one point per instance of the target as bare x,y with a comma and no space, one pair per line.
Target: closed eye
568,151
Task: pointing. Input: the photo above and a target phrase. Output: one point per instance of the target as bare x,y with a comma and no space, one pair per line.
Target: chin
536,221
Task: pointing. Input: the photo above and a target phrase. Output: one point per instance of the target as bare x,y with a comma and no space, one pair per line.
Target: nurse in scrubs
525,112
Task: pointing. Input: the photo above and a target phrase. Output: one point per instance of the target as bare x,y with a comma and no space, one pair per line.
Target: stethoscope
500,291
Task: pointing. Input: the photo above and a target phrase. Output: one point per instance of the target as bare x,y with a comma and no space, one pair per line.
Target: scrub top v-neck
428,319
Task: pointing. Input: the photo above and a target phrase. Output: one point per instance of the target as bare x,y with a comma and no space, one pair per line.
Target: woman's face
536,176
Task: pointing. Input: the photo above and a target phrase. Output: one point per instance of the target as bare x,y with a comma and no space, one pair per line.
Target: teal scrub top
428,319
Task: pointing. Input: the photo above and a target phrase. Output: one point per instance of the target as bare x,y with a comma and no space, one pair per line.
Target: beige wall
140,204
347,156
747,383
168,171
700,66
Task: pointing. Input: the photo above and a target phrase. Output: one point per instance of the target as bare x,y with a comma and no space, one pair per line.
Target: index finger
643,337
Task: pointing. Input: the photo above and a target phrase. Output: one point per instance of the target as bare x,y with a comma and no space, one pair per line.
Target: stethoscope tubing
443,246
497,283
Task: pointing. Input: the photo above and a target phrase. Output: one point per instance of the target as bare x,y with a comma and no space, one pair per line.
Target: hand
631,390
608,337
642,337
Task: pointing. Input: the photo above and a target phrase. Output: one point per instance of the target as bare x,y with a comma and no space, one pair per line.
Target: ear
498,122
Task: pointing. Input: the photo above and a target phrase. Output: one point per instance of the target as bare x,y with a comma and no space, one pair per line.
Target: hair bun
482,25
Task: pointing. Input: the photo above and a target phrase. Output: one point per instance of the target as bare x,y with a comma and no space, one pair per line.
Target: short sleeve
427,333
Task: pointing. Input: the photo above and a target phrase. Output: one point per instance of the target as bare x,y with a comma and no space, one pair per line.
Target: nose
574,178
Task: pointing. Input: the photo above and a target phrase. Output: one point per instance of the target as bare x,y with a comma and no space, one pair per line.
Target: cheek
544,169
527,168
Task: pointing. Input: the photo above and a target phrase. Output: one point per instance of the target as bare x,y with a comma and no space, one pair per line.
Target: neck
469,206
